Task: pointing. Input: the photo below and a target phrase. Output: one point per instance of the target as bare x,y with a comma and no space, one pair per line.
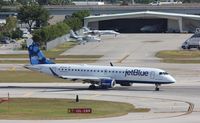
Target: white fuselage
105,32
119,74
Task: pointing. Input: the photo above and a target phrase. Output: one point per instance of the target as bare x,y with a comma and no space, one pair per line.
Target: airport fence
53,43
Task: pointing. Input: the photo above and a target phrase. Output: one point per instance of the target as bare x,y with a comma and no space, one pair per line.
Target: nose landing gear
157,87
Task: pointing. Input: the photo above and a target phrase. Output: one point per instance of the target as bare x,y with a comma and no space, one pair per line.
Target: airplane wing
84,78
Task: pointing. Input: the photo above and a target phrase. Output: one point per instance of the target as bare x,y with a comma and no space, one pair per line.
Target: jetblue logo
136,72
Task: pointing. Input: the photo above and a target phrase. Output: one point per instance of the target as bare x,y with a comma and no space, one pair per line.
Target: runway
171,104
175,103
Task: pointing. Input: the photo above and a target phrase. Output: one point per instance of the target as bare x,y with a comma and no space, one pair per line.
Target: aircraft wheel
157,87
92,87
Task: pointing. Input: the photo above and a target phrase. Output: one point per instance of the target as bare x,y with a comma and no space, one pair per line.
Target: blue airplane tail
35,54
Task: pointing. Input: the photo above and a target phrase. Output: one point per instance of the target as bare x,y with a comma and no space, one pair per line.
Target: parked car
5,40
12,41
192,42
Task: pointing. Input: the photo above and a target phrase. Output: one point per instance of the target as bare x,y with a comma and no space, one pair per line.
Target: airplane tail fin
86,29
72,34
35,54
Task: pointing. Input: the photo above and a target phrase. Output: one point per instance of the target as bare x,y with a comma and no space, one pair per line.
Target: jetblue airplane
99,76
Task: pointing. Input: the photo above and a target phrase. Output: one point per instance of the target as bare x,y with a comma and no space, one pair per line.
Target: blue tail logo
36,56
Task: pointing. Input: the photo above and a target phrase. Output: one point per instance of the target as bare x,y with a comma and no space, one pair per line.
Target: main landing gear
92,87
157,87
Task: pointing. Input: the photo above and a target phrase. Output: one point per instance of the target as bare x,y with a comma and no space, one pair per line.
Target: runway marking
93,96
28,94
12,69
122,59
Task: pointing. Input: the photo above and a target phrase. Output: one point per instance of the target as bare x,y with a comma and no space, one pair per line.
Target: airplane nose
171,79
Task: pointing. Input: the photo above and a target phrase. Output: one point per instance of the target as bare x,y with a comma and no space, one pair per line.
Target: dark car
5,40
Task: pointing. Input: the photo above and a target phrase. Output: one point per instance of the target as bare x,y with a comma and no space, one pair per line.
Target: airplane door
152,75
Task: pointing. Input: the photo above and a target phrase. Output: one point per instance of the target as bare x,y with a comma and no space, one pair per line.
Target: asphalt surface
176,103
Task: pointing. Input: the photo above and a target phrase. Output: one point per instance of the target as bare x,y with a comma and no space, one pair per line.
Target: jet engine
107,83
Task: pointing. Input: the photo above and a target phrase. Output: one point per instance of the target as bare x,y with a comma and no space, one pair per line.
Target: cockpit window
163,73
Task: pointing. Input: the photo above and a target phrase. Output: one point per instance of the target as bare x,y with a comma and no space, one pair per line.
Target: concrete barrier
57,41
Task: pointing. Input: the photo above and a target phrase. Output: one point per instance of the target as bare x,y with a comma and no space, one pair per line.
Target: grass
53,53
56,61
183,61
179,56
82,56
27,77
37,109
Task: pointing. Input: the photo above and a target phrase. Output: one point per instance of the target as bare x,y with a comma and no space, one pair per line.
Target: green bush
74,23
17,33
51,32
1,35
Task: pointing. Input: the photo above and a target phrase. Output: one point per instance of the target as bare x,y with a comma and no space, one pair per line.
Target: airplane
100,32
102,77
150,28
83,39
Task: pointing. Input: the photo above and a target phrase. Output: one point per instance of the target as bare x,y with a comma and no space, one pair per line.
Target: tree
74,23
43,2
24,2
11,24
80,15
33,13
17,33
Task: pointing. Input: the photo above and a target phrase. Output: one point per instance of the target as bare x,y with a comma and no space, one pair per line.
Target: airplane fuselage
119,74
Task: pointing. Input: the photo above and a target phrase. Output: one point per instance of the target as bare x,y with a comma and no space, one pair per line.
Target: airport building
145,21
